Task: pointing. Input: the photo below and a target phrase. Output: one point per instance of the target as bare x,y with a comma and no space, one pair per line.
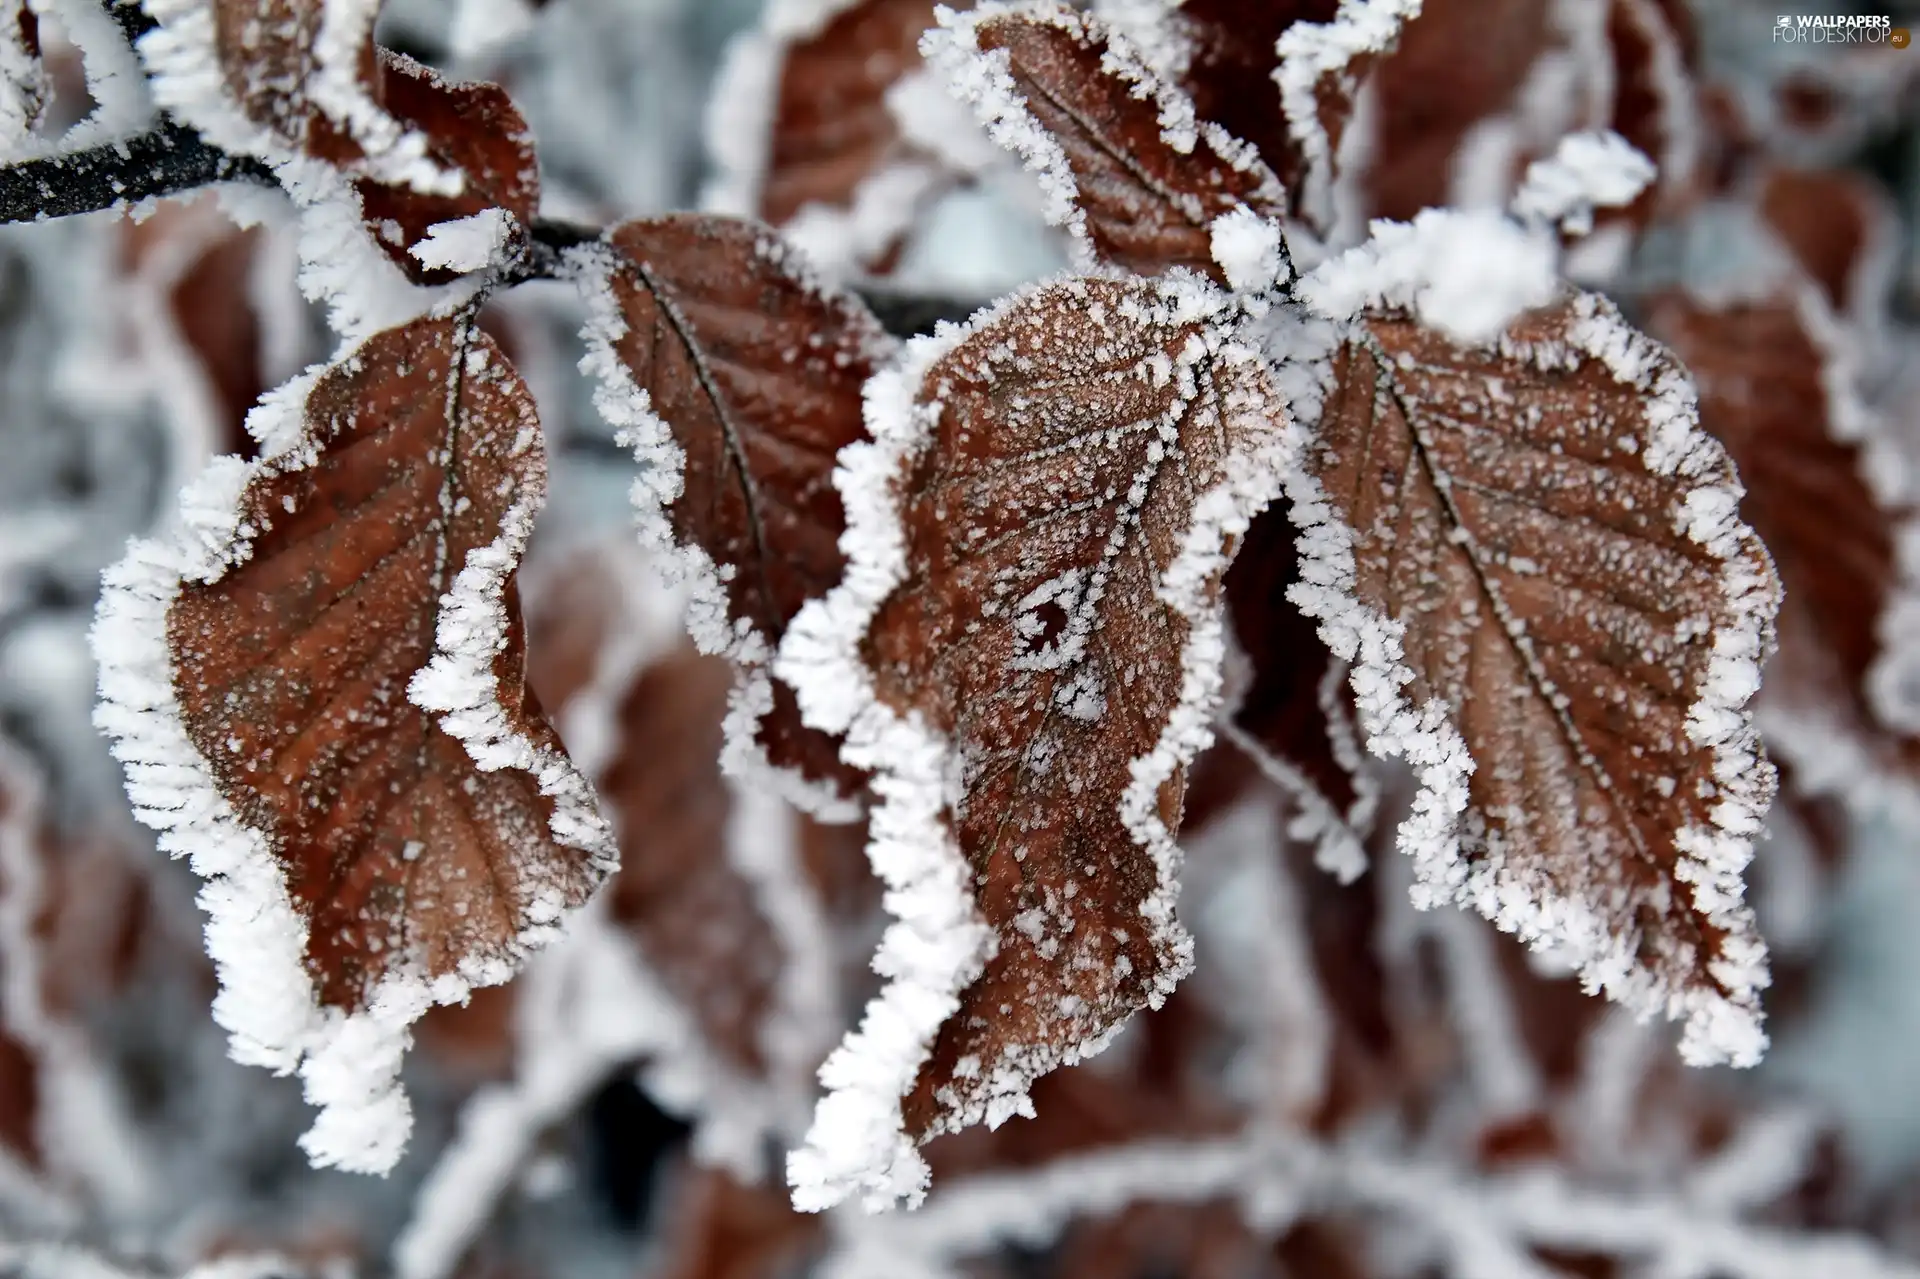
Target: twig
164,161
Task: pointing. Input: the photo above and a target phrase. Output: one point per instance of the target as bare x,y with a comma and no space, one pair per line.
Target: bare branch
164,161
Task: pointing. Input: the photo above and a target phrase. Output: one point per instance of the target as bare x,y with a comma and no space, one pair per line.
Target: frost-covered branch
165,161
1479,1224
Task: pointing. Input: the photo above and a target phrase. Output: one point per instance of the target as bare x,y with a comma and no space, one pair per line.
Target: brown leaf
706,863
196,325
1230,70
421,149
291,671
693,916
1557,616
1125,165
831,126
1458,63
725,1229
267,53
1764,394
1654,106
1020,677
25,87
1289,709
472,128
738,380
1840,227
356,756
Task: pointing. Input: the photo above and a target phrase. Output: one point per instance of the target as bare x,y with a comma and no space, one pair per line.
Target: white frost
1467,273
465,244
937,943
1311,52
1589,171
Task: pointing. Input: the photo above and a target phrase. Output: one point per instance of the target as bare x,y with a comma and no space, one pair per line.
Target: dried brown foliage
292,670
1542,573
1229,75
694,918
756,374
471,128
832,128
1028,632
1764,393
1147,200
1011,547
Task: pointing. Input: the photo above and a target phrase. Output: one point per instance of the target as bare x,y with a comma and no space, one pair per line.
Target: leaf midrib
1543,687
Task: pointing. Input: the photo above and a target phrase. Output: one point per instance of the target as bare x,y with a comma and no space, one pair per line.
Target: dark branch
912,314
132,18
164,161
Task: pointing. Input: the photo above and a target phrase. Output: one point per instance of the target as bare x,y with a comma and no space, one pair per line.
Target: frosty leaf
1841,229
692,914
1534,559
1291,708
831,127
316,687
737,380
1765,392
1231,60
1123,162
25,88
1655,105
281,79
1457,64
1026,649
471,128
301,85
1322,62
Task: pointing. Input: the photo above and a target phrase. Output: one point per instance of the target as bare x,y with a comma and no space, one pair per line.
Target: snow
482,27
465,244
1588,171
1250,250
123,104
1467,273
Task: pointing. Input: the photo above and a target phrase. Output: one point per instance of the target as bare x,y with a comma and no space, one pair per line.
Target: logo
1827,28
